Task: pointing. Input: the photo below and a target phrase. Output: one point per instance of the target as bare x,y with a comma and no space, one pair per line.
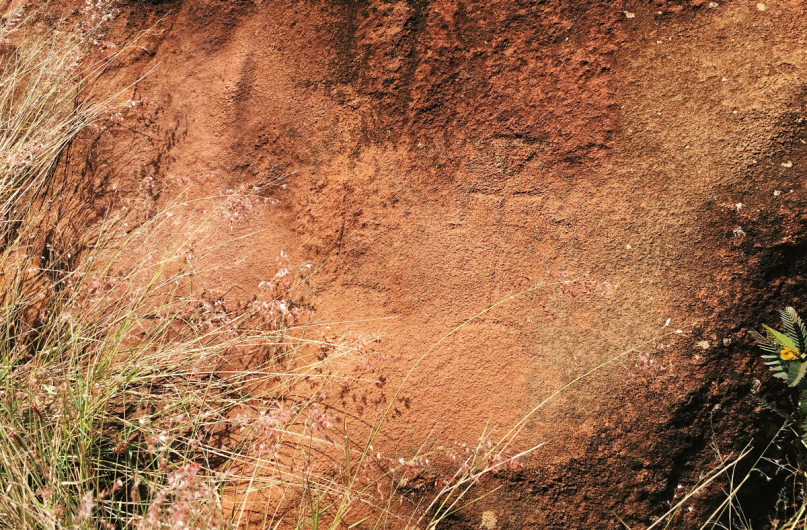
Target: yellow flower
787,354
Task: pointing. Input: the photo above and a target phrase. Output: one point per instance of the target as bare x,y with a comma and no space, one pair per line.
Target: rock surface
440,156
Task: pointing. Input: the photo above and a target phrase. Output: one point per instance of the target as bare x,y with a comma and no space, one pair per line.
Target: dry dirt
438,156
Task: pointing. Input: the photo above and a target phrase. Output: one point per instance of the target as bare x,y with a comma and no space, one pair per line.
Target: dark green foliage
785,356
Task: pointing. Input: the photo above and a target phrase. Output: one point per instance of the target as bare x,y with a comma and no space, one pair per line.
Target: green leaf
769,347
799,375
789,325
770,356
792,371
781,339
781,375
756,336
800,324
763,342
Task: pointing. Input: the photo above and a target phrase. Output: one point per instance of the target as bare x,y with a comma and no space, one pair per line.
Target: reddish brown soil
443,155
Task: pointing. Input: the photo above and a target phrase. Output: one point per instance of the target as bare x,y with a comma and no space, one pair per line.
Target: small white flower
87,504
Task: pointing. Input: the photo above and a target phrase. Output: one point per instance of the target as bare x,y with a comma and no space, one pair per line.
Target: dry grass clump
122,403
117,381
45,101
125,395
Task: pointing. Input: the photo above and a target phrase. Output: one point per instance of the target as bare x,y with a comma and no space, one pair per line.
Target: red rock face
458,73
441,156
